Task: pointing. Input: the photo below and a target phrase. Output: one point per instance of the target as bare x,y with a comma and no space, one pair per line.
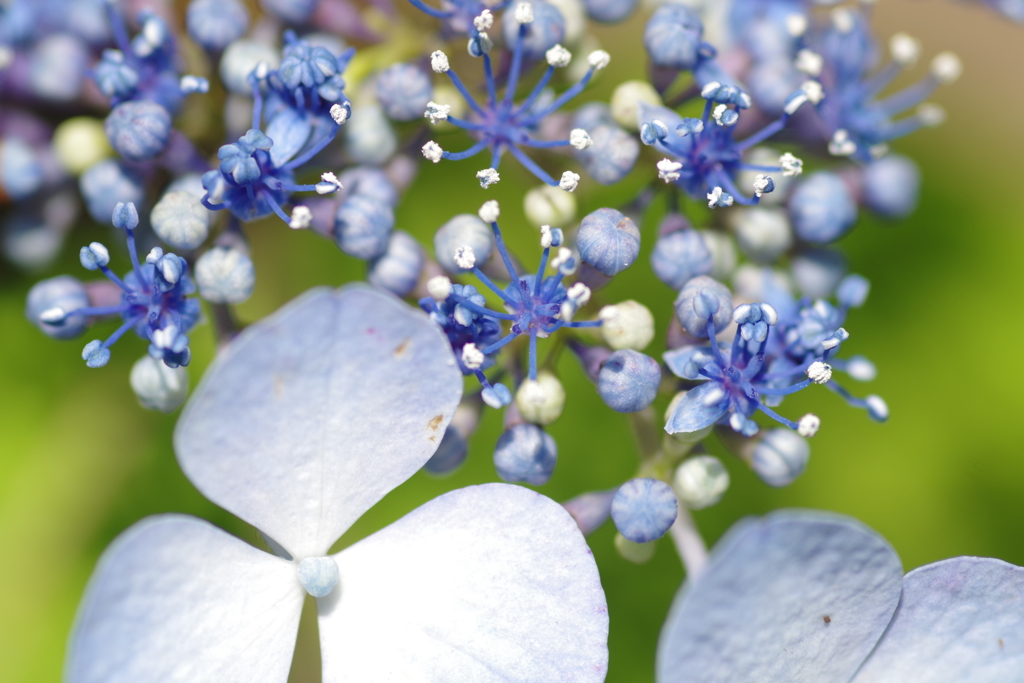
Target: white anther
439,62
564,254
6,57
53,315
579,293
154,255
716,114
487,177
877,407
815,93
524,13
841,145
472,357
261,70
439,287
580,139
819,373
191,84
769,315
830,344
861,369
484,20
931,114
761,183
791,165
808,425
545,236
490,211
710,89
433,151
843,20
668,170
437,112
570,181
165,336
598,59
796,25
566,311
905,50
481,43
329,177
465,258
558,56
809,62
339,113
946,67
715,198
301,218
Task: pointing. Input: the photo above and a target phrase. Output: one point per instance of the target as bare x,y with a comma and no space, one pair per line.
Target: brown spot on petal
401,349
434,423
828,619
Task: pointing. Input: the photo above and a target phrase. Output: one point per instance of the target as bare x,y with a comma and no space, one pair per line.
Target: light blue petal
959,620
312,415
649,112
796,597
677,360
289,129
692,412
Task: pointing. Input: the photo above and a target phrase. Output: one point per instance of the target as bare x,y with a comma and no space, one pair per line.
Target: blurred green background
80,461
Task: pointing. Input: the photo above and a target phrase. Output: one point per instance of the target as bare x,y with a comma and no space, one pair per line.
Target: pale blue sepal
693,413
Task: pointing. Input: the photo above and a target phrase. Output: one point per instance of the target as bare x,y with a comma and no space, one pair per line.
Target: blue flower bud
362,227
763,233
644,509
57,67
94,256
371,182
609,11
291,11
611,156
138,130
157,386
545,31
496,396
50,305
525,453
818,271
673,35
21,169
125,216
369,138
398,269
608,240
404,91
700,299
591,115
225,275
653,131
681,256
95,354
450,454
853,291
822,209
216,23
238,61
181,220
891,186
114,76
464,230
780,457
628,381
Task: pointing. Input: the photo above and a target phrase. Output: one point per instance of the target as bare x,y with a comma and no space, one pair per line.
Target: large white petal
486,583
959,620
312,415
758,611
174,599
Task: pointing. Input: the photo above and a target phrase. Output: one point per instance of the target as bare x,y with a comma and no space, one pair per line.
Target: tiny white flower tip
490,211
558,56
815,93
761,183
433,151
819,373
946,67
931,114
796,25
843,20
791,165
545,236
439,62
829,344
53,315
439,287
877,406
191,84
570,181
566,311
472,357
841,145
437,112
6,57
579,293
668,170
524,13
598,59
465,258
301,218
487,177
809,62
318,575
579,138
564,255
808,425
484,20
339,113
261,70
769,314
905,50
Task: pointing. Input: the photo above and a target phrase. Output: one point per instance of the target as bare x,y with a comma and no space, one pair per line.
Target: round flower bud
291,11
157,386
318,575
680,256
611,155
541,400
817,272
369,138
780,457
57,66
608,240
527,454
464,230
628,381
49,302
225,275
138,130
822,209
644,509
545,31
547,205
637,553
673,36
627,325
404,91
80,142
450,454
609,11
398,269
107,183
21,168
240,58
891,186
626,99
701,481
362,227
700,299
371,182
685,437
181,220
214,24
762,233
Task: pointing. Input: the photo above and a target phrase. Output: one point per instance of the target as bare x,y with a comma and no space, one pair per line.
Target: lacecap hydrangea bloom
306,420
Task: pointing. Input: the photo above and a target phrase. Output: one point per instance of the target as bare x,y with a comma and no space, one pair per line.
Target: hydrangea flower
306,420
802,595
